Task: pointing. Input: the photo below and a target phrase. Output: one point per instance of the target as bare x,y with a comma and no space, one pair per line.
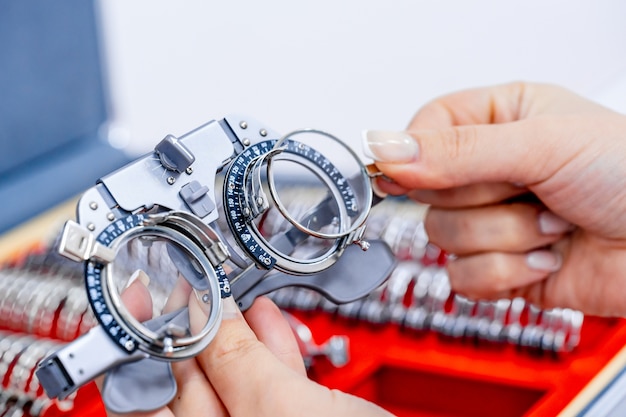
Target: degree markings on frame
235,199
93,282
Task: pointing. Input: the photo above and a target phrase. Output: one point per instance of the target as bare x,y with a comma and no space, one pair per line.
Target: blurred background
342,66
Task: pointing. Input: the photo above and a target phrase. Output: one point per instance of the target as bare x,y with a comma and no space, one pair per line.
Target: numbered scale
163,247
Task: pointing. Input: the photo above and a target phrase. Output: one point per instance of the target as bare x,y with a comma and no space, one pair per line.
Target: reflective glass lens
162,288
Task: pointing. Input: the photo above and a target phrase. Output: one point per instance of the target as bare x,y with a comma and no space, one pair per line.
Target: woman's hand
527,187
253,367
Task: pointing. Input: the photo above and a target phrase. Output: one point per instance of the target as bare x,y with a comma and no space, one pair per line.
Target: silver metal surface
364,179
416,297
209,144
79,244
149,340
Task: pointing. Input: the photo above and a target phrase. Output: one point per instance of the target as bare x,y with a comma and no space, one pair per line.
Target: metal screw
246,142
91,227
171,180
259,201
129,345
93,205
110,217
246,211
231,185
205,298
189,170
243,124
267,261
263,132
168,345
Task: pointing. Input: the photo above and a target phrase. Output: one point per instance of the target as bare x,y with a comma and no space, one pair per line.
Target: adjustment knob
174,156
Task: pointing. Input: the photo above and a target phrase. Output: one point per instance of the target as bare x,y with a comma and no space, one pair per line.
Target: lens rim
147,340
364,176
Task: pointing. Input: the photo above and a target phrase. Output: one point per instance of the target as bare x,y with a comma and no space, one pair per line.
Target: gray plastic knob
173,155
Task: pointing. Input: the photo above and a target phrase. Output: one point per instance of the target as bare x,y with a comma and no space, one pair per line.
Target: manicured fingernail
390,147
551,224
139,275
229,308
544,260
377,191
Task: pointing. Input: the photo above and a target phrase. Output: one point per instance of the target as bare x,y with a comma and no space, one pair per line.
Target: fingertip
489,275
138,275
234,331
396,147
389,185
272,329
235,361
230,309
137,299
262,305
544,260
551,224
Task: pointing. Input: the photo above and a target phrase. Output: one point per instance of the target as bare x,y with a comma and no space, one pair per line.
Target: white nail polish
230,310
139,275
551,224
544,260
390,147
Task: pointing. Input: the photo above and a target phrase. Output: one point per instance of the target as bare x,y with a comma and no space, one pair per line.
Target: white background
343,66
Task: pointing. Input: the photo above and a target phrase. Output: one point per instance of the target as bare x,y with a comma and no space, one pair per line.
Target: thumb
522,152
251,381
240,368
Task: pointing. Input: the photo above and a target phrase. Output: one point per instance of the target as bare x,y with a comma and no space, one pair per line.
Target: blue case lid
52,104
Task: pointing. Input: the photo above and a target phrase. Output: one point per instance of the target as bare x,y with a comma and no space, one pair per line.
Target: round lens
163,289
304,238
319,160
